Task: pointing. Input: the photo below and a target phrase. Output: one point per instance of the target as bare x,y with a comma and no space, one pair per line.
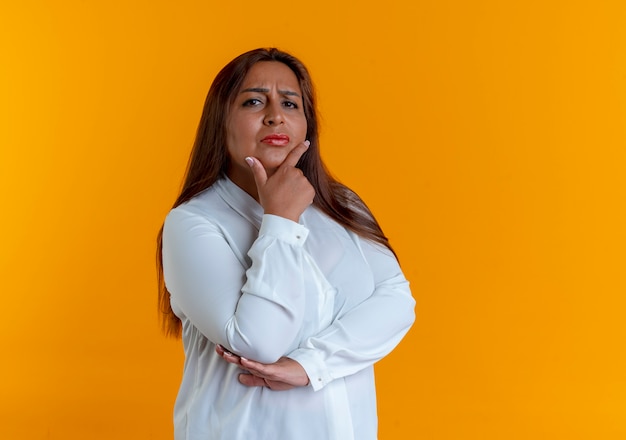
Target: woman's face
266,120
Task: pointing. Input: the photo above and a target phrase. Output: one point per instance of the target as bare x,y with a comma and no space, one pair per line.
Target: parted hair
208,162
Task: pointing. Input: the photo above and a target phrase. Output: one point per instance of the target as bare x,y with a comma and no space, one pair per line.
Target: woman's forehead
270,74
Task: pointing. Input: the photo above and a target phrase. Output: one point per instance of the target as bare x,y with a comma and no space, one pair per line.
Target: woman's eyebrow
263,90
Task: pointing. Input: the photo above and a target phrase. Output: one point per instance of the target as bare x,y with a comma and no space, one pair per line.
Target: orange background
487,136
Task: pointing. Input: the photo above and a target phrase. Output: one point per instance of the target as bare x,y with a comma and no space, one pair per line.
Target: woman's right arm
254,313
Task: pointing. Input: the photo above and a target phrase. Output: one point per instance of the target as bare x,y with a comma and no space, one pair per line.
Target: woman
279,278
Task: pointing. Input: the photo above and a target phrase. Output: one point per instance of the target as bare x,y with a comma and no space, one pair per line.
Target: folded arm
354,341
367,332
254,313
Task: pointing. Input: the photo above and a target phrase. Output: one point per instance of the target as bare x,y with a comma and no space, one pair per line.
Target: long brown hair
209,161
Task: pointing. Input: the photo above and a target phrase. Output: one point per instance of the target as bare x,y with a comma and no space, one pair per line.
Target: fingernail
243,359
249,161
307,143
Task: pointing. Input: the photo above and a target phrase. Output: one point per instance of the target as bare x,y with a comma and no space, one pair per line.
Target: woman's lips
276,139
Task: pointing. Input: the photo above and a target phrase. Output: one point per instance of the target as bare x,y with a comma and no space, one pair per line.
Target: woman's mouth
276,139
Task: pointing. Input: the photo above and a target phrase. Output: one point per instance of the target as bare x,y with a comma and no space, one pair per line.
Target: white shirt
266,287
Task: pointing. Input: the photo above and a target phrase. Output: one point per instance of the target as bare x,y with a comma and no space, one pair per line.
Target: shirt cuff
314,366
283,229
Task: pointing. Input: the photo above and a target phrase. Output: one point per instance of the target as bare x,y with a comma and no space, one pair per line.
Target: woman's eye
290,104
252,102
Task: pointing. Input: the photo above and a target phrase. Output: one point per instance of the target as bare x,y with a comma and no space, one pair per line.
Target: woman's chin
273,161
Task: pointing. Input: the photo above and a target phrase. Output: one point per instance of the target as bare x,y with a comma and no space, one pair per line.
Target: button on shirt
266,287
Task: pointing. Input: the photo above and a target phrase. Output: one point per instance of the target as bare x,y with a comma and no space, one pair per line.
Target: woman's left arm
367,332
356,340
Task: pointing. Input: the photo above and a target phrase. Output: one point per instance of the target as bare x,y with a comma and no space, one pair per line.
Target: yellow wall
488,137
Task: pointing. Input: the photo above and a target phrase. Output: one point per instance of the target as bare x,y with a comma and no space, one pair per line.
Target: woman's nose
273,116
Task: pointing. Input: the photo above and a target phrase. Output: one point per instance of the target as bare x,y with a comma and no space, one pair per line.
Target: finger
227,355
294,155
277,385
219,348
258,171
251,381
232,358
256,368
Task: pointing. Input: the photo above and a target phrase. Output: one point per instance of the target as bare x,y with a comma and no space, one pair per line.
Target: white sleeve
366,333
255,313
